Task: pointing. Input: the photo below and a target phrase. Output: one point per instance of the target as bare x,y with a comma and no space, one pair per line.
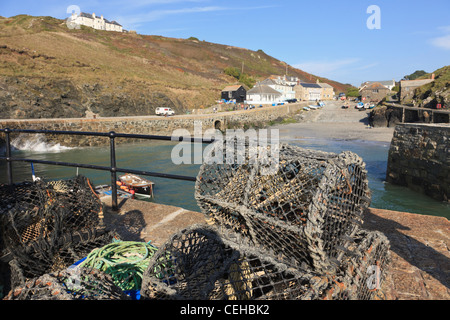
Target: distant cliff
48,70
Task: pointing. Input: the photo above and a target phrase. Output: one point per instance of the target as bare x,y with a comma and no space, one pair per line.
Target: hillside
48,70
436,92
426,96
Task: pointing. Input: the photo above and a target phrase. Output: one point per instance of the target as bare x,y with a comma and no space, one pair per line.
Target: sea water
155,156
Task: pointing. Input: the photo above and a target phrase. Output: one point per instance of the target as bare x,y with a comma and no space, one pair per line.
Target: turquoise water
156,157
384,195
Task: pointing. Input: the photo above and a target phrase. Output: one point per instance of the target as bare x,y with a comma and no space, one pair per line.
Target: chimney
93,15
101,17
432,76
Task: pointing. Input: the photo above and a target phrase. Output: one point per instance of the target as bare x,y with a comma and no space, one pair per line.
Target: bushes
241,77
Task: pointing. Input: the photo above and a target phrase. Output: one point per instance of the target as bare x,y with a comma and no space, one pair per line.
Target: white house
263,94
99,23
287,90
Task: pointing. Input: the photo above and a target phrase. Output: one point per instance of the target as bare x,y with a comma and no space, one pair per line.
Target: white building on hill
99,23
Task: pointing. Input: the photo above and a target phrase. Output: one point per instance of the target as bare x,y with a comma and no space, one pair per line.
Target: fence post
112,136
8,157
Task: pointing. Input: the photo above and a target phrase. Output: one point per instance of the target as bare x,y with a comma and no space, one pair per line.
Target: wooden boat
106,190
136,185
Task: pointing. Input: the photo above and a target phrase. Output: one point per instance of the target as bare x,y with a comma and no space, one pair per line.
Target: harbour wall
419,158
153,125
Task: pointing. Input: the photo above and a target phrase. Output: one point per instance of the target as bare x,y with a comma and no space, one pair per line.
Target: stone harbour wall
153,125
419,158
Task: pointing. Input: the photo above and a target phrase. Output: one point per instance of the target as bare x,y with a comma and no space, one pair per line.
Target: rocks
419,158
40,97
385,117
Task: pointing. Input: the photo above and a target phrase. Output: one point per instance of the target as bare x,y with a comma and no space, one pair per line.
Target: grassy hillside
436,92
49,70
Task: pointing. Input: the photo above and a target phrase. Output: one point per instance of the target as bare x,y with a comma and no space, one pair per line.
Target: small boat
105,190
136,185
306,108
313,107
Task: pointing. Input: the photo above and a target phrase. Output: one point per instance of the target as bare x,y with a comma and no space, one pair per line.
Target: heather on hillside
436,92
49,70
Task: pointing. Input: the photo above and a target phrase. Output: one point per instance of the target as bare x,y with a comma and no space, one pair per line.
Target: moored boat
136,185
106,190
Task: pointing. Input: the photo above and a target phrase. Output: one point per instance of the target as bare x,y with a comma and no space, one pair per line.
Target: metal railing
112,168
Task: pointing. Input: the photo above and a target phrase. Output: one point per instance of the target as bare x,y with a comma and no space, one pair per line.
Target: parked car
164,112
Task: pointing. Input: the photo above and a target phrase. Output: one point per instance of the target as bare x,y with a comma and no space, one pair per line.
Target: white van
164,111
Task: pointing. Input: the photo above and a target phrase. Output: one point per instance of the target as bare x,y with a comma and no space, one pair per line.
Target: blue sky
328,38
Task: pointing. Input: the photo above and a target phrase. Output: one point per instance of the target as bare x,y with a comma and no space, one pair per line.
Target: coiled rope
125,261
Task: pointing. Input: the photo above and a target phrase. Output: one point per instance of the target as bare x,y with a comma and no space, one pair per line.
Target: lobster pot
40,210
302,209
46,226
198,264
70,284
46,256
365,265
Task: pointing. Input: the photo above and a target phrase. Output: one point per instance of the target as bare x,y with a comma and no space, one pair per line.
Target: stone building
93,21
308,91
407,87
327,91
374,92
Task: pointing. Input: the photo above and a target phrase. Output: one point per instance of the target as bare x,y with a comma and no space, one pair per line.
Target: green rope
125,261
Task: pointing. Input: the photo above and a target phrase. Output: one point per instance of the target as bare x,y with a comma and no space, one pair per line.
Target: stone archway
218,125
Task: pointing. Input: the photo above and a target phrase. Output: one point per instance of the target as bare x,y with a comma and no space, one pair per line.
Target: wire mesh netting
70,284
287,232
292,233
364,265
198,263
304,214
47,226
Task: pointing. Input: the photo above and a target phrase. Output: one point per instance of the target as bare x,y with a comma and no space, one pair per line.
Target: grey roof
325,85
232,88
86,15
373,86
267,81
384,83
415,83
89,16
262,88
309,85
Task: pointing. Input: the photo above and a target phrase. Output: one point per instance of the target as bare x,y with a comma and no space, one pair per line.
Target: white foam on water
37,143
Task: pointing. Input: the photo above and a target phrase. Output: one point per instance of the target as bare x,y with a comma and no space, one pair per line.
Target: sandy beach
333,122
